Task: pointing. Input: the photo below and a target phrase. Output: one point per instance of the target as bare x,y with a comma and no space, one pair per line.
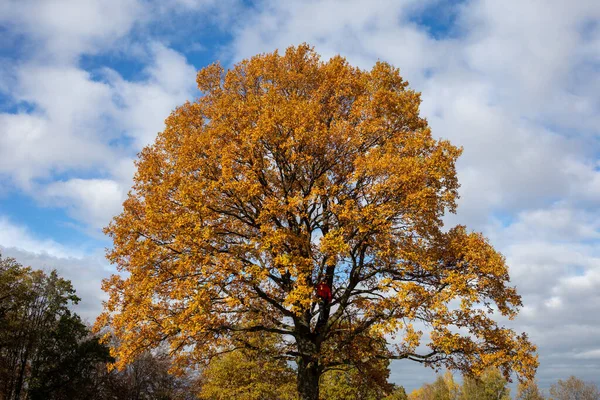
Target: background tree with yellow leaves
444,388
251,373
491,385
288,174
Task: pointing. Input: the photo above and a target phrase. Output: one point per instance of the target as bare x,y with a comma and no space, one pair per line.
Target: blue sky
85,84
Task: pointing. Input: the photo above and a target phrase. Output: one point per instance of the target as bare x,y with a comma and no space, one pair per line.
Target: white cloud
531,47
555,263
557,223
83,268
19,237
60,31
75,120
63,29
594,354
68,129
143,106
91,201
361,30
73,133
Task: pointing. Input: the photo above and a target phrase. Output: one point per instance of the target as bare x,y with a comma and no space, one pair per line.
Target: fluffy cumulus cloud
64,29
87,83
92,201
87,128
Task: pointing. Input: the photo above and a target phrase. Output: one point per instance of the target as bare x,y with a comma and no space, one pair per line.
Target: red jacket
324,291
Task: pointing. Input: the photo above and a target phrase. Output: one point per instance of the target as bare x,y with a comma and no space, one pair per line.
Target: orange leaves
333,244
209,78
290,171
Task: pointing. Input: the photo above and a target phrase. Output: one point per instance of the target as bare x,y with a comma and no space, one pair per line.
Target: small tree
529,391
307,198
491,385
249,373
444,388
399,393
31,305
574,389
67,362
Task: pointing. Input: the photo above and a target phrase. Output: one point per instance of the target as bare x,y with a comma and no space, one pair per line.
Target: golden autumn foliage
288,172
491,385
368,382
249,374
444,388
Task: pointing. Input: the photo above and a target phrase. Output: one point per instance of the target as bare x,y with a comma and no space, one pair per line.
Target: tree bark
308,379
21,376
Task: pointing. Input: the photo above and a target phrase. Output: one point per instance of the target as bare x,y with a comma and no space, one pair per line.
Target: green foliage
47,352
32,304
67,362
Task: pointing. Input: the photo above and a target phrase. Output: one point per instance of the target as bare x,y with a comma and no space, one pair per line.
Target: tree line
491,385
48,352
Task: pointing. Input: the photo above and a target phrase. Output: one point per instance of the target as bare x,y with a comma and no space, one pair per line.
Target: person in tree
324,292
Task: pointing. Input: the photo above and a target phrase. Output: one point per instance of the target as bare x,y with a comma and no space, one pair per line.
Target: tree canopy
48,353
287,174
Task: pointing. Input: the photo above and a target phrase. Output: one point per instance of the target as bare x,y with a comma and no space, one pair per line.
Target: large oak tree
290,172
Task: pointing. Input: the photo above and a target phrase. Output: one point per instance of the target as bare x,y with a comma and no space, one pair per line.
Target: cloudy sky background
85,84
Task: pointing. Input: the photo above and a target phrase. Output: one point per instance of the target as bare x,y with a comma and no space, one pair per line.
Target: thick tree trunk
308,379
